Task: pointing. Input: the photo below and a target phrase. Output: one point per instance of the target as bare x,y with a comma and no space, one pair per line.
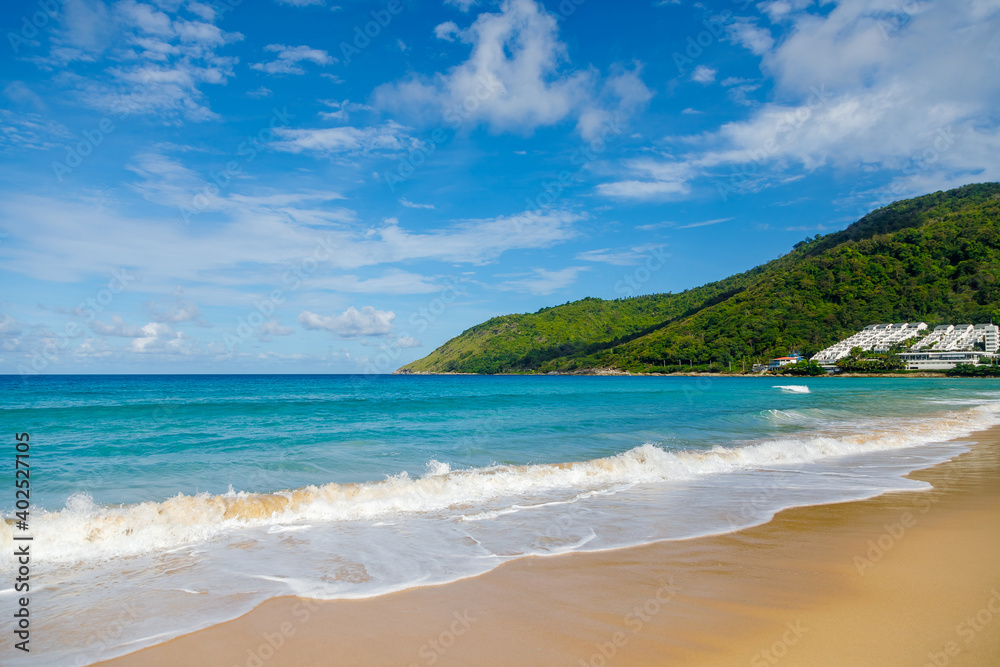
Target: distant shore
620,373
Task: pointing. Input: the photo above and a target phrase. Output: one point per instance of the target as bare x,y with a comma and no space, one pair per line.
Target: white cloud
139,59
20,94
660,180
749,35
409,204
289,58
352,322
262,91
178,309
623,257
30,131
704,223
392,282
342,110
642,189
406,342
390,137
543,281
703,74
462,5
513,80
118,328
267,331
254,236
9,326
446,31
913,98
160,337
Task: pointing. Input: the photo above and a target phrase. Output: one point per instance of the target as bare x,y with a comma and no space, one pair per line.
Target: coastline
889,580
614,372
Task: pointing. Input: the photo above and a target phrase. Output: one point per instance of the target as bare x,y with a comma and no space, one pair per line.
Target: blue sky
336,186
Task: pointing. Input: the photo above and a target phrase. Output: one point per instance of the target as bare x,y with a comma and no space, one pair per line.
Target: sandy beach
902,579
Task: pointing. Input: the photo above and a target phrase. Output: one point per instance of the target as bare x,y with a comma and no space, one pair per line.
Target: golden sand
903,579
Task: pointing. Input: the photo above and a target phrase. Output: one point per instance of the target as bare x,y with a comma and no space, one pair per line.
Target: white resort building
940,349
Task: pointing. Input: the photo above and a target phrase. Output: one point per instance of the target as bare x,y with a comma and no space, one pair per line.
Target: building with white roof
939,349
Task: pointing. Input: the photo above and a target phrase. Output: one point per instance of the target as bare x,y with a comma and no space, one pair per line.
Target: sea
163,504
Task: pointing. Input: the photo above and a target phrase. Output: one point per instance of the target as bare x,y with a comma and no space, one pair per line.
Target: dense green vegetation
802,368
934,258
975,370
860,361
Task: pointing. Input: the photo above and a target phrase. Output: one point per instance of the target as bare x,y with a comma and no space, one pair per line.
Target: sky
332,186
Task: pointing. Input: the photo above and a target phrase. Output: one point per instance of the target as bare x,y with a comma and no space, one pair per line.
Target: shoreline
797,585
614,372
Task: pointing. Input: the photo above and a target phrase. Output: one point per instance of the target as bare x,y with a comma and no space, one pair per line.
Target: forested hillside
934,258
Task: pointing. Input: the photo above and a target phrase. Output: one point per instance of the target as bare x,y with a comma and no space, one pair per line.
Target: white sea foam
793,388
84,531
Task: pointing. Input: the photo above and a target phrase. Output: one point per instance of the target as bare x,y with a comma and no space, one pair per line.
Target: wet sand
902,579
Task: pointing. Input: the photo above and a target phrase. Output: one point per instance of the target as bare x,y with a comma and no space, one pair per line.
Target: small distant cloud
446,31
272,328
620,257
408,341
260,92
301,3
544,281
352,322
409,204
463,5
689,110
289,58
704,223
703,74
656,225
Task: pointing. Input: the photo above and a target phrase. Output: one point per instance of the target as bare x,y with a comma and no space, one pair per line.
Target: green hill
934,258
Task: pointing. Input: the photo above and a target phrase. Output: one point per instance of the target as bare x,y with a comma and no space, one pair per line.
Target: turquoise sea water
162,504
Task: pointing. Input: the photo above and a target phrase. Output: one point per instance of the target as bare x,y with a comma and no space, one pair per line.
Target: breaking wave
83,530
